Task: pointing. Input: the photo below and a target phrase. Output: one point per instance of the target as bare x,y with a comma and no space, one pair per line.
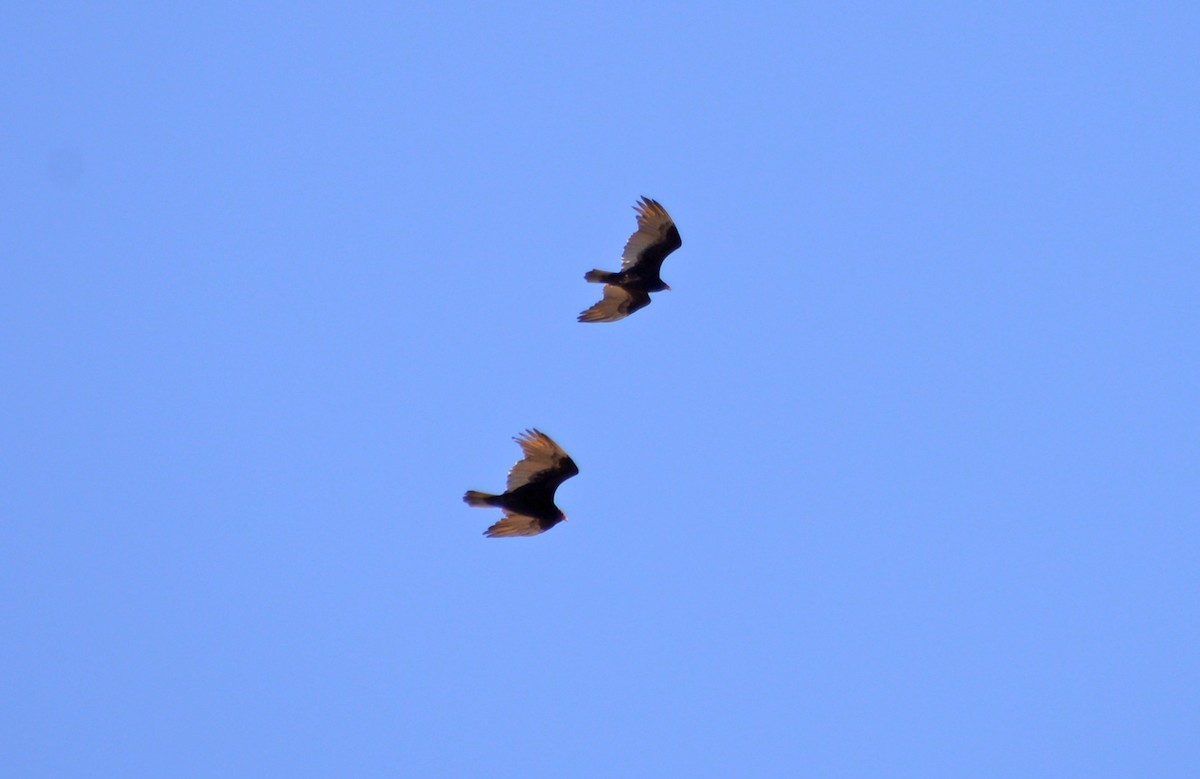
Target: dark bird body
628,289
528,500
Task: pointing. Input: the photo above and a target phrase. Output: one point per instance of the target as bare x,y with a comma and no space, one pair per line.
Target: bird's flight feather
618,302
655,227
544,461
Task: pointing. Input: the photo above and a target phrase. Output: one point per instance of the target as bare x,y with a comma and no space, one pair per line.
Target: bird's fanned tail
477,498
599,276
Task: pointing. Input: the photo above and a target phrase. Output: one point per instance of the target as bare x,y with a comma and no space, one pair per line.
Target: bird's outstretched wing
544,462
618,303
517,525
655,238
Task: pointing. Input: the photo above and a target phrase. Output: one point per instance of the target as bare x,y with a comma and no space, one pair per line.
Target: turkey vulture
629,289
528,499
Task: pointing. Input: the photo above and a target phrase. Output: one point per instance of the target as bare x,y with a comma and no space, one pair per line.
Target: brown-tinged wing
656,237
544,462
516,525
618,303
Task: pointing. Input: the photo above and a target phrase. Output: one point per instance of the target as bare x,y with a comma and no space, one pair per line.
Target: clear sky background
901,479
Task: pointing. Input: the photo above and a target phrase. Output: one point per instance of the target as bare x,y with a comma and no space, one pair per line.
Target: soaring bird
528,500
629,289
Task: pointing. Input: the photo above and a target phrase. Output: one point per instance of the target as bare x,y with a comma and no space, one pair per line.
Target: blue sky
901,479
